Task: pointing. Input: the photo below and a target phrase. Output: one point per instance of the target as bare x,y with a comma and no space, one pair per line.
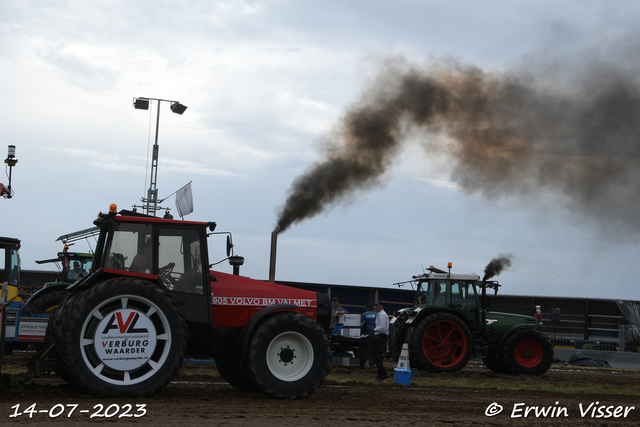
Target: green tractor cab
73,266
448,324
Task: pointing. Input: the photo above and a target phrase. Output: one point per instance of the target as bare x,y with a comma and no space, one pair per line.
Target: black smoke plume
497,266
506,134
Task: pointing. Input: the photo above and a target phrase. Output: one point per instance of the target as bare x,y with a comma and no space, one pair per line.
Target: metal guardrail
618,344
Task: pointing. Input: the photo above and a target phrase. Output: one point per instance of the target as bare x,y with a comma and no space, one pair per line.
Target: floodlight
141,103
178,108
11,156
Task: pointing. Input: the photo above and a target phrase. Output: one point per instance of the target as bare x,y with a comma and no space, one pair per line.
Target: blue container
403,376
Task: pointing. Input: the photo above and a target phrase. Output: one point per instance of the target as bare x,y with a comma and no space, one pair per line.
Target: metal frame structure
151,201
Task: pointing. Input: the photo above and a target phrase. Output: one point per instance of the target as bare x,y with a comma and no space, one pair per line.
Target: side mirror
229,246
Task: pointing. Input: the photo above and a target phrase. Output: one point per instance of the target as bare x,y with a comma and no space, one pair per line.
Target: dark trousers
382,339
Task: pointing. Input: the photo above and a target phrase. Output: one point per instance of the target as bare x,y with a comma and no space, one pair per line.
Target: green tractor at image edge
447,325
73,266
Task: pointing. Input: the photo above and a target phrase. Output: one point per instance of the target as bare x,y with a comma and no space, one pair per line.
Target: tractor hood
502,321
237,298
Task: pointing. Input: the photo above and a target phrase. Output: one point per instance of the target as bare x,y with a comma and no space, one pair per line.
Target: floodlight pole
11,161
152,194
142,103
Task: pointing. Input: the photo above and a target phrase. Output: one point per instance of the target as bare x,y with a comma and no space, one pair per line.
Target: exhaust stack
272,259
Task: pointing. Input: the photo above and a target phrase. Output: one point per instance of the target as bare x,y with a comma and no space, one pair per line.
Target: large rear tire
123,337
397,336
289,356
440,343
46,300
528,352
51,334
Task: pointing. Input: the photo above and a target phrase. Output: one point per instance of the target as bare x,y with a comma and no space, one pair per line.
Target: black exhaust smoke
509,134
497,266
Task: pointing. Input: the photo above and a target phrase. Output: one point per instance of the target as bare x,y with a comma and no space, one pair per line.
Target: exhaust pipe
272,258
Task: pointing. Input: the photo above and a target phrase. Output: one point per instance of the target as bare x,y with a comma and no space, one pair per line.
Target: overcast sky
265,83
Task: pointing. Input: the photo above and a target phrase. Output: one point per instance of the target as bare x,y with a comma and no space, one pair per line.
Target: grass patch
531,384
559,379
14,370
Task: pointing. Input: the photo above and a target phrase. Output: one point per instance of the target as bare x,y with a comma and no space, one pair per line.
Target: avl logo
128,326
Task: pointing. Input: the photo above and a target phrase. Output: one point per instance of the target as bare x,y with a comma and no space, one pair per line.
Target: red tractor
151,300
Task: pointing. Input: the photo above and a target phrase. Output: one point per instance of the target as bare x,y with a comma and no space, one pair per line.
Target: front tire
122,337
440,343
289,356
528,351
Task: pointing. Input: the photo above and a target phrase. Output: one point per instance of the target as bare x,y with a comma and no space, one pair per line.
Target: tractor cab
73,266
451,292
171,253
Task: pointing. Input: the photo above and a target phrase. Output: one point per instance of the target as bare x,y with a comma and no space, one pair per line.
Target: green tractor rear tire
441,342
46,300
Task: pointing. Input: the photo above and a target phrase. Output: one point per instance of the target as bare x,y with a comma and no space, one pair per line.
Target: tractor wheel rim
444,343
528,353
290,356
125,340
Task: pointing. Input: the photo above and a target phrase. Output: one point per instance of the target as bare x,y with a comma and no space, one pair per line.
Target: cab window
11,272
463,295
180,260
434,293
131,248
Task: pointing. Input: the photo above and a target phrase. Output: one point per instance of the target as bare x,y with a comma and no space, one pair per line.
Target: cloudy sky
268,86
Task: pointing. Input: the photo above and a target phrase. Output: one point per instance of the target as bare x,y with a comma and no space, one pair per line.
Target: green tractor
448,324
72,266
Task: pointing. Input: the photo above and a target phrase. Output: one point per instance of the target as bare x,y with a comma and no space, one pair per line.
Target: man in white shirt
382,333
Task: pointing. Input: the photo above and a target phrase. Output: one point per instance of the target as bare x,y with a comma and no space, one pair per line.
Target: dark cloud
517,133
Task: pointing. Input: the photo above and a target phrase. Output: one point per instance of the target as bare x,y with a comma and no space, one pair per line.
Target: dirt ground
349,397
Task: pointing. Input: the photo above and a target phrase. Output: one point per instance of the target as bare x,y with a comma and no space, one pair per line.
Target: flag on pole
184,200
